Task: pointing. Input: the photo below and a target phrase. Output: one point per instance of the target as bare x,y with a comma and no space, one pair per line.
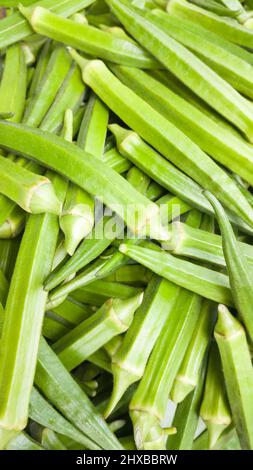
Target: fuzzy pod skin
234,351
34,193
24,316
206,83
14,28
87,38
163,135
113,318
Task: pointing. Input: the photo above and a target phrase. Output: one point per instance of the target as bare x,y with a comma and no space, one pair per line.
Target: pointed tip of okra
227,325
75,229
44,199
214,432
120,133
122,379
181,389
27,12
148,433
78,58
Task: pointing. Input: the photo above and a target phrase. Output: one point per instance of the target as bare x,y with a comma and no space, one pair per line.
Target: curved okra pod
58,386
231,67
102,181
163,135
219,142
234,351
112,319
224,27
24,315
87,38
238,268
128,364
200,78
203,281
34,193
148,405
46,415
13,83
14,28
188,374
214,408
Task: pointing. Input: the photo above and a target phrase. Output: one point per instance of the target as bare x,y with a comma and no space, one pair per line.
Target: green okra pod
14,28
148,405
225,147
201,280
13,83
188,375
234,351
24,316
112,319
224,27
203,80
51,377
163,135
238,268
23,442
113,158
34,193
41,66
87,38
51,441
214,408
128,365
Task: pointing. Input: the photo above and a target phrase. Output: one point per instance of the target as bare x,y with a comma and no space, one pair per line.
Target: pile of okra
126,225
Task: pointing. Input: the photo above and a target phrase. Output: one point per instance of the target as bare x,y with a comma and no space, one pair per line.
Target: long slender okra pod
148,405
8,254
24,315
41,65
15,27
143,156
32,192
239,270
13,91
230,30
220,143
163,135
203,281
113,318
100,180
234,351
87,38
46,415
188,374
231,67
206,83
214,407
70,400
128,365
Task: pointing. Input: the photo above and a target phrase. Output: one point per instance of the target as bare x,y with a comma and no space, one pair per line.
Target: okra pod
234,351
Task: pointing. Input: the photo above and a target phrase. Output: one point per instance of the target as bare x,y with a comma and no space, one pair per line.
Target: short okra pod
24,315
128,364
203,80
14,28
70,400
163,135
239,270
148,405
187,378
234,351
34,193
214,407
13,83
87,38
112,319
203,281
